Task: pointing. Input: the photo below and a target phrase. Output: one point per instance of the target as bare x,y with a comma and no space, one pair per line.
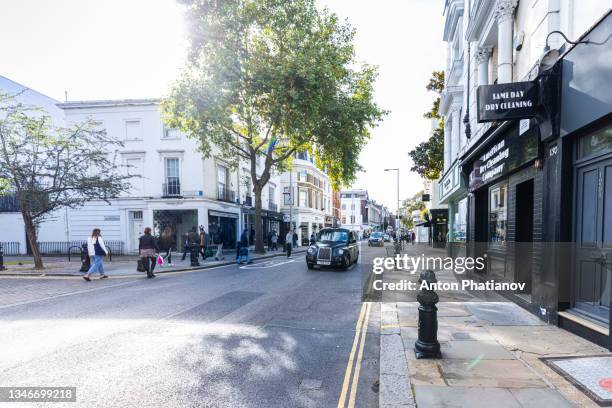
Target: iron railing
9,203
63,247
225,194
10,248
172,188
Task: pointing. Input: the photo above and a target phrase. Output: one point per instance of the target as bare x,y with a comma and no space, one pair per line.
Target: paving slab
391,353
489,373
424,372
395,391
503,314
454,397
468,350
539,398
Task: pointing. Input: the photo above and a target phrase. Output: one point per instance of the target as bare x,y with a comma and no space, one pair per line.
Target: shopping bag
140,265
160,260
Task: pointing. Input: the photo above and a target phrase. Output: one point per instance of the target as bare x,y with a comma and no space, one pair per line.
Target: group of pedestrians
149,249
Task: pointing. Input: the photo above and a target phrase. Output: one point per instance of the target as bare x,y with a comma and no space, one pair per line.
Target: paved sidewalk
125,266
491,351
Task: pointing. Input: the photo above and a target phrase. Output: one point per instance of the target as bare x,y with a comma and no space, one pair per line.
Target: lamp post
396,226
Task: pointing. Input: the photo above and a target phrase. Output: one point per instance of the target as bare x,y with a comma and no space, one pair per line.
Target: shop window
498,212
595,143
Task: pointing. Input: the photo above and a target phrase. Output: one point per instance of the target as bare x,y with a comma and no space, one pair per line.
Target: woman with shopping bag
149,251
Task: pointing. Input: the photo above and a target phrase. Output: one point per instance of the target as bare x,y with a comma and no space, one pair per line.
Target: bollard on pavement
2,267
85,261
194,253
427,345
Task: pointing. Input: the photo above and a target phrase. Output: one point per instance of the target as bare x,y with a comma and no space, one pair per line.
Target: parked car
376,239
334,247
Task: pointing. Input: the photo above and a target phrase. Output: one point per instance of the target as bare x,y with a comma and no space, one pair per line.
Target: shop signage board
514,100
505,155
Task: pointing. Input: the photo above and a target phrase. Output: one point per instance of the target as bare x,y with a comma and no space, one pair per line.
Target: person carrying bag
96,250
149,250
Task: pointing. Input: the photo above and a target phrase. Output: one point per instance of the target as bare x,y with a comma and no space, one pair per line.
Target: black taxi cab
334,247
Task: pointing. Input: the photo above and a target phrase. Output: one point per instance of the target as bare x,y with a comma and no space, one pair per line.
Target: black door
593,237
523,247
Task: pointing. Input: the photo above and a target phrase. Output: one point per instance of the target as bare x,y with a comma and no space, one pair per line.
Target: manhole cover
308,384
591,374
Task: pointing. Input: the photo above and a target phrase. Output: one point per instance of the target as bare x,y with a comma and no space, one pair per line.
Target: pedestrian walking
218,240
412,237
244,248
203,242
288,242
167,243
185,245
313,239
149,251
274,240
96,250
294,239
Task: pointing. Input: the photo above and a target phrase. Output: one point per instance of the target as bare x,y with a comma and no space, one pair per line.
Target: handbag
140,266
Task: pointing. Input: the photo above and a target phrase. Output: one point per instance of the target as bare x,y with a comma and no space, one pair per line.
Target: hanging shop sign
505,155
514,100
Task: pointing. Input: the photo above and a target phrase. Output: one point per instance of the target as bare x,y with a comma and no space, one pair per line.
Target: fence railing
10,248
63,247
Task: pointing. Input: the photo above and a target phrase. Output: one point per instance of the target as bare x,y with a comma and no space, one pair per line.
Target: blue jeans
96,264
239,259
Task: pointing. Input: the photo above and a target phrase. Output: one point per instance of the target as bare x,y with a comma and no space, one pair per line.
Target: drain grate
591,374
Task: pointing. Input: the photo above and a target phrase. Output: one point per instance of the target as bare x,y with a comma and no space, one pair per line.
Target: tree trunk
32,239
259,238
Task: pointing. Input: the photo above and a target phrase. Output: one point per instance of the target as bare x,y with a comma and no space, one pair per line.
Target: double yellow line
354,366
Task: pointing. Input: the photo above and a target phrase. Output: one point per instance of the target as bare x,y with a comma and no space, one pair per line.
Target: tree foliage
428,156
48,167
267,78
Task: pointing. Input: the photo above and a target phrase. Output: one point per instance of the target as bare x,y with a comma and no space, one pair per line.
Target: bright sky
116,49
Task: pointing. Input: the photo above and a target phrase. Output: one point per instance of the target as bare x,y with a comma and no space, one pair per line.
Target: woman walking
96,250
289,243
149,250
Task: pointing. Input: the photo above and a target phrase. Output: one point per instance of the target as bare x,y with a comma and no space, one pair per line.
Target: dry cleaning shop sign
515,100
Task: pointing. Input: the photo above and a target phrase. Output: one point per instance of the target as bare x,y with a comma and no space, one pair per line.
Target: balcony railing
172,188
225,194
9,203
272,206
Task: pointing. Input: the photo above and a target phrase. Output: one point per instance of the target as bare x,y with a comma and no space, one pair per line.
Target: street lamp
398,199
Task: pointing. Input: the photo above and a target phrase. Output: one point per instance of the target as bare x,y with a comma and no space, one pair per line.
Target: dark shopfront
540,202
270,221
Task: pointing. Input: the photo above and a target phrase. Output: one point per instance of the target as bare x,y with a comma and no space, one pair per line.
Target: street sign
514,100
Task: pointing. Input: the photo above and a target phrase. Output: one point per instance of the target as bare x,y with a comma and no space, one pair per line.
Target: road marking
349,364
266,264
351,403
61,295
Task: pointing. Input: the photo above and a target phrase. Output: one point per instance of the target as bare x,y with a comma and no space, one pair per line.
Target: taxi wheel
346,262
310,266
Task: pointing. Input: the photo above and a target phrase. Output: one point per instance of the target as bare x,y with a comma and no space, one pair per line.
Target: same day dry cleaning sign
515,100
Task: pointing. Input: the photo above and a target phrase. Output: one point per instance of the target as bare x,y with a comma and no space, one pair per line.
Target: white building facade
306,198
173,188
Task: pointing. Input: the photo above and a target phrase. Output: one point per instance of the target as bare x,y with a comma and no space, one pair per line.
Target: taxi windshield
333,236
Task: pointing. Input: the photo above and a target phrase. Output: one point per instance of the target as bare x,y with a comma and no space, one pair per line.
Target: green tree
428,156
48,167
268,78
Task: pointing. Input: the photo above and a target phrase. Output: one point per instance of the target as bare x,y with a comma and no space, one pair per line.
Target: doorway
592,279
136,229
523,253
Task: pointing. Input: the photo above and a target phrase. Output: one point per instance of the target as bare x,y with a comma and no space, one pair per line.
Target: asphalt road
272,334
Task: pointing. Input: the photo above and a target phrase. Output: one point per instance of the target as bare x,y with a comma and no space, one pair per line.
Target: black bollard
427,346
194,250
2,267
85,261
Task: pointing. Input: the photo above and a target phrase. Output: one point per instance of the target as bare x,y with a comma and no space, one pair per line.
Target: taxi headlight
312,250
340,251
